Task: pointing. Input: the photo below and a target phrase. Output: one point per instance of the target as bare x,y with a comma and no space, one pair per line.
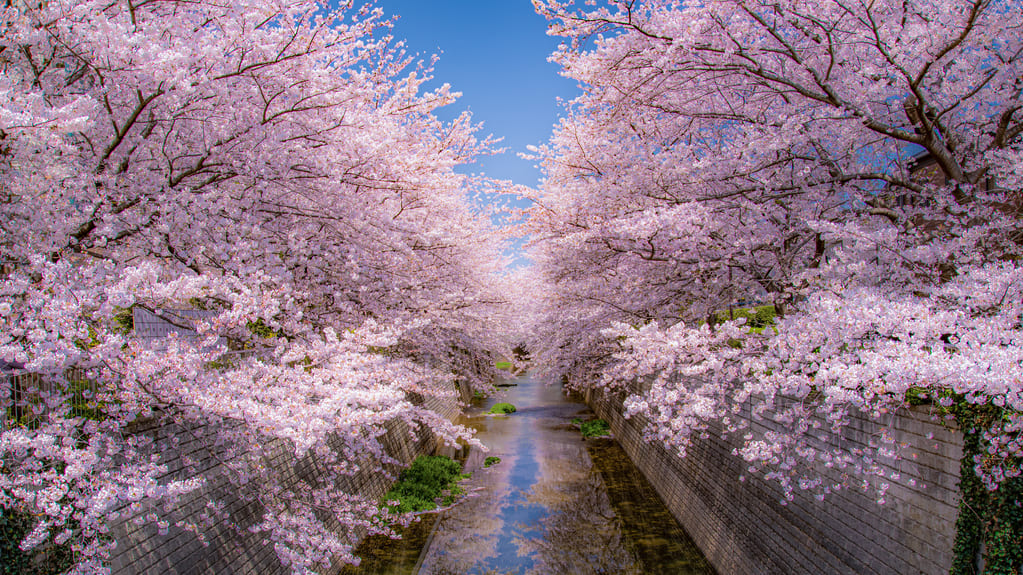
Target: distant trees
733,150
274,162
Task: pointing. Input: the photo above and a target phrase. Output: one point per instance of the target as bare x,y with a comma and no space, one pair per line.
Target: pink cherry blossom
278,165
854,164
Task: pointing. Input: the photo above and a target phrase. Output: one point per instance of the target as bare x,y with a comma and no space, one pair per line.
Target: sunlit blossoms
855,165
274,165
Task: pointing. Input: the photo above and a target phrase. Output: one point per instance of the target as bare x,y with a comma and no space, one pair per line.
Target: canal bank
555,503
740,522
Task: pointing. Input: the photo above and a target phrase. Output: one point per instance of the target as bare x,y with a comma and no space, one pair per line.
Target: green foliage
124,320
593,427
918,396
381,350
502,408
988,520
259,328
505,365
306,363
89,343
14,526
224,362
204,304
83,402
48,559
756,317
424,481
491,460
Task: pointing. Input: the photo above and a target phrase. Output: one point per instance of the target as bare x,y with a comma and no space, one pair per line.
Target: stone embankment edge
742,527
142,550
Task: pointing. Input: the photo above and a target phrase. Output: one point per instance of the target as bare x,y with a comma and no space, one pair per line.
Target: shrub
502,408
423,482
594,427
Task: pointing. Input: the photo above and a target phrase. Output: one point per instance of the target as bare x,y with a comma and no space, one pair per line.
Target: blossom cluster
852,165
276,166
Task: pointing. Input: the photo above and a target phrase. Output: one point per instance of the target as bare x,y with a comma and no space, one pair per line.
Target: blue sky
494,52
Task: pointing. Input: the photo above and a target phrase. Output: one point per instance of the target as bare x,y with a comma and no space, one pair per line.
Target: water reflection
580,532
649,530
555,504
381,555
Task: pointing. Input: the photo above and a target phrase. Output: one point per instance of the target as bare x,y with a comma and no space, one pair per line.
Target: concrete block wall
742,527
231,548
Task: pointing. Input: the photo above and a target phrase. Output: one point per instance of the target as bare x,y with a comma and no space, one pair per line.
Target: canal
555,504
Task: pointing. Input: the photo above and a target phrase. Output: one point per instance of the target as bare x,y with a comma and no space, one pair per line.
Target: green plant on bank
502,409
491,460
593,427
424,482
505,365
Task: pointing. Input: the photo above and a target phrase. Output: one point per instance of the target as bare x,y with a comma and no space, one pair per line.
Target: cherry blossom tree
855,164
276,164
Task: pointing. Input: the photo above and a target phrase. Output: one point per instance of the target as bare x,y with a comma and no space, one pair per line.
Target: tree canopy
276,164
855,165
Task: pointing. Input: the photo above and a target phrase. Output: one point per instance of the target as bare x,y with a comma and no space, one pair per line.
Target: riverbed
555,504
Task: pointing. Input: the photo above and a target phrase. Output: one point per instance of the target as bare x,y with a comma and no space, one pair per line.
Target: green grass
505,365
502,408
491,461
425,481
593,427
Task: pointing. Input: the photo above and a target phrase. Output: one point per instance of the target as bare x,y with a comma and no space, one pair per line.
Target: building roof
154,325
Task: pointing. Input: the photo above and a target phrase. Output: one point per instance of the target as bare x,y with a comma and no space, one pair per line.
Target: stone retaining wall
742,527
228,550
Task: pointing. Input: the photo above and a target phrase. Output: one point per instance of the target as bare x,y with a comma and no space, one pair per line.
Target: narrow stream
555,504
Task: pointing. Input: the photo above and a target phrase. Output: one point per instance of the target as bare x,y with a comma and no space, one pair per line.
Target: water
555,504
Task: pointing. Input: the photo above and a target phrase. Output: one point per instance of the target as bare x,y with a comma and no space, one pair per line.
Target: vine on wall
989,530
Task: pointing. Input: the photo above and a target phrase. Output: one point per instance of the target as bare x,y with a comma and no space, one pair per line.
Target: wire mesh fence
26,397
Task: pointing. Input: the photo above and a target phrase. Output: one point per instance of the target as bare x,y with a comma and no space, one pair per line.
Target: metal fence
26,397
